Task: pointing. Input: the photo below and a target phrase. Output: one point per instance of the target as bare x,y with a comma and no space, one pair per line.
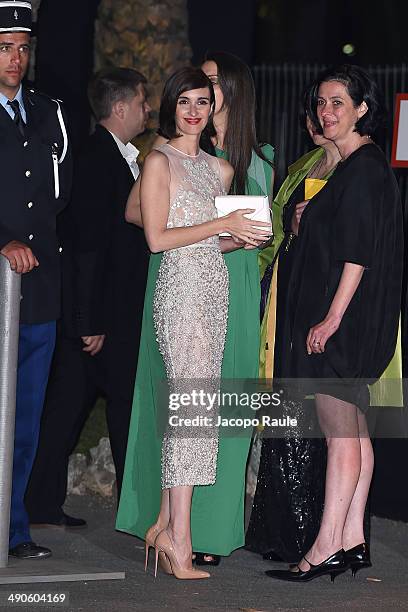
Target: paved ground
238,584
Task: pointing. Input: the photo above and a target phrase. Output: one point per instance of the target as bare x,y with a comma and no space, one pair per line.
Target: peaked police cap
15,16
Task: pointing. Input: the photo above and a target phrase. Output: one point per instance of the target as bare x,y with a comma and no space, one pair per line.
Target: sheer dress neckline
182,152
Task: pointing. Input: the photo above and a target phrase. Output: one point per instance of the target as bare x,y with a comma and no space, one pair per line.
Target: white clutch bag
260,204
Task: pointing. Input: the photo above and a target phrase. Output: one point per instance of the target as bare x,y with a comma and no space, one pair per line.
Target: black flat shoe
29,550
358,557
200,560
335,564
70,522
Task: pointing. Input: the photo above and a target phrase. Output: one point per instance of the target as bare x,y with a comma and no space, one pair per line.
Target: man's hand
93,344
20,256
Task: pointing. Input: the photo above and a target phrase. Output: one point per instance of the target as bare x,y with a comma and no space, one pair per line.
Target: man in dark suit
35,172
104,275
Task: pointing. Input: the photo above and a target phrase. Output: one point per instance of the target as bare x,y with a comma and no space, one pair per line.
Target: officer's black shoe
29,550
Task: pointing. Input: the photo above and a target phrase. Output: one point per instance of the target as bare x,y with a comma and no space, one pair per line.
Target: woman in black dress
344,302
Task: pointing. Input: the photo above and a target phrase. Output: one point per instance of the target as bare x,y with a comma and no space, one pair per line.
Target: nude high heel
150,538
163,544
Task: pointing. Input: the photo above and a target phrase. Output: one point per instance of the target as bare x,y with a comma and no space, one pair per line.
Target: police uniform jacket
35,182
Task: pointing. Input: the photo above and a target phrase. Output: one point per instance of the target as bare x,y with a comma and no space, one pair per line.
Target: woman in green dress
217,517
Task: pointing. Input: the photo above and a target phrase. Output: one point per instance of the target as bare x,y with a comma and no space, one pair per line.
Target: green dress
217,514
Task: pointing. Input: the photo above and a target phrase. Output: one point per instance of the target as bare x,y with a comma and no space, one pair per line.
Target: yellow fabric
387,391
312,187
267,355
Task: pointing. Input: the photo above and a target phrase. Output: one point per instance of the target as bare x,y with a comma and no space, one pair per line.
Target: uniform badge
16,15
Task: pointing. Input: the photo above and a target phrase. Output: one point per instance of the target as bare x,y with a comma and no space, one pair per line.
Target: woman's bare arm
155,198
133,212
349,282
227,173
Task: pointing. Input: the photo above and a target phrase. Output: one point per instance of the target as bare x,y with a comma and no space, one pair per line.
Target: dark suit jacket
105,258
28,206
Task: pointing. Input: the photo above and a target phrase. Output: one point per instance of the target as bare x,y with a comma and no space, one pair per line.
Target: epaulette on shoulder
36,92
57,106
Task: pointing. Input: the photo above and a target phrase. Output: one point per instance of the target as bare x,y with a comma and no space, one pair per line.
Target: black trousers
76,380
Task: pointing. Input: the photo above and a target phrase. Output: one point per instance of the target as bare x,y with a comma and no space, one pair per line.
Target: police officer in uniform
35,169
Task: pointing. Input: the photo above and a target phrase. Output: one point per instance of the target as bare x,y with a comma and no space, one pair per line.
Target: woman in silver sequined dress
178,187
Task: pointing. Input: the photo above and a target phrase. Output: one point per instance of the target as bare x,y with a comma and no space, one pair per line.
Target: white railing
10,283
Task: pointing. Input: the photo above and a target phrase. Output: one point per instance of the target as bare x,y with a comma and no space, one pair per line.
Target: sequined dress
212,527
190,310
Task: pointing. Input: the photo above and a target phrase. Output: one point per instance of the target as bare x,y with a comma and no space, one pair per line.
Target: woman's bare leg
164,514
179,524
353,533
339,423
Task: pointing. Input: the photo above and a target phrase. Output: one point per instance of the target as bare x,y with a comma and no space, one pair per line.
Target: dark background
263,31
317,30
64,56
267,31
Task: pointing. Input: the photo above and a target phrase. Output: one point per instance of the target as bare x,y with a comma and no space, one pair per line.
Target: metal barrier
279,90
10,287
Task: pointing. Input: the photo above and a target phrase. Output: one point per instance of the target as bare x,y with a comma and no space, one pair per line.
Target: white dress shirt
130,153
19,98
